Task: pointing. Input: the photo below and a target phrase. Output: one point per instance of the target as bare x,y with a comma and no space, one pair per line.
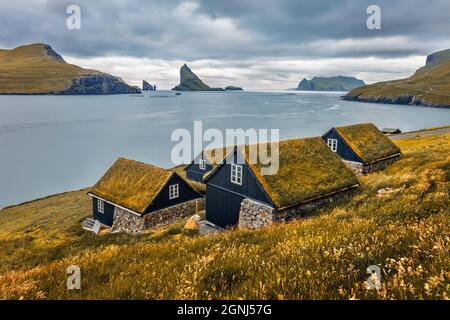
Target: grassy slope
406,233
431,84
31,70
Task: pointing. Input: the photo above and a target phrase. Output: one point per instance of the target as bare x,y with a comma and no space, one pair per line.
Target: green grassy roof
369,143
131,184
308,169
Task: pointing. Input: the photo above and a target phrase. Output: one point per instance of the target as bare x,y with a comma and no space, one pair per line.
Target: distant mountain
147,86
38,69
190,82
428,86
233,88
339,83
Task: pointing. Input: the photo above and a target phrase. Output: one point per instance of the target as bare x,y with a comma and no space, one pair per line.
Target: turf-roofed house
363,147
133,196
309,174
206,161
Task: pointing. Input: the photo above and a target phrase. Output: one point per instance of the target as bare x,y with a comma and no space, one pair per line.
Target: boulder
191,224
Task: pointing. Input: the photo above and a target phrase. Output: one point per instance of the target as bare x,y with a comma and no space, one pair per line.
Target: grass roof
308,169
131,184
369,143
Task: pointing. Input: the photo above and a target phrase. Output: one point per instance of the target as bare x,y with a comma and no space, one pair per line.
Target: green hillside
429,86
38,69
405,230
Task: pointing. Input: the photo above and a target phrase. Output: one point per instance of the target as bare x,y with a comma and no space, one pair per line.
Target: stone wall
171,214
303,209
361,169
125,221
254,215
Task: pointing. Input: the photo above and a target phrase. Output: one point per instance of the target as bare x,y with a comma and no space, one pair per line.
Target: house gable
343,149
250,188
193,171
162,200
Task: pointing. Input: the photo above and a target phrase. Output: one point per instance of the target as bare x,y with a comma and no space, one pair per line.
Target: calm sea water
52,144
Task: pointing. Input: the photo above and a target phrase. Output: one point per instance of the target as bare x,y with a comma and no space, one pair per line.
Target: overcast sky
256,44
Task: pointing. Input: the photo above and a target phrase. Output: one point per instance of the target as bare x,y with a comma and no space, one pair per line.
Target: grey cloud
231,29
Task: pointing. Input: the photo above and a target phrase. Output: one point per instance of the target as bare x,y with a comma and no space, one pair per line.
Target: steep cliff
38,69
189,81
339,83
429,86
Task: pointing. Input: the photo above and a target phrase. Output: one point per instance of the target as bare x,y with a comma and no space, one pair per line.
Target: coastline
404,135
401,100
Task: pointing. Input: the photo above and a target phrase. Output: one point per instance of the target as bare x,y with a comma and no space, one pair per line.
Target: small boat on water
178,94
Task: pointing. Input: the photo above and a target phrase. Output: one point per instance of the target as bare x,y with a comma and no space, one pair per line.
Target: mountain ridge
429,86
336,83
38,69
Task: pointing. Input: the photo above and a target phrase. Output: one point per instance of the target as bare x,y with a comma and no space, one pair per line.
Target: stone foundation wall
361,169
254,215
171,214
303,209
125,221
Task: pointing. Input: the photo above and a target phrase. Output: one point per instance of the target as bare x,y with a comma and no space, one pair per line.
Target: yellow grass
323,257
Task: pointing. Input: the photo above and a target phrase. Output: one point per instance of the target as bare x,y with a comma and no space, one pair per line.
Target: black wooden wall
107,217
193,171
186,193
343,150
223,198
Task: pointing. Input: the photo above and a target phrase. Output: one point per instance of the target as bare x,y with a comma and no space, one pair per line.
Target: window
236,174
202,164
174,191
332,143
100,206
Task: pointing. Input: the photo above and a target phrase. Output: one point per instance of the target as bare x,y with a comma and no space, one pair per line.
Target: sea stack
147,86
189,81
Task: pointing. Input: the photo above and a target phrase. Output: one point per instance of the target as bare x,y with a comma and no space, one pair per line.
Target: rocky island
233,88
147,86
38,69
339,83
189,81
429,86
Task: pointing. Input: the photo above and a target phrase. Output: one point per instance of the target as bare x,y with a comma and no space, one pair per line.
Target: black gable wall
193,171
162,200
251,187
105,218
223,198
343,150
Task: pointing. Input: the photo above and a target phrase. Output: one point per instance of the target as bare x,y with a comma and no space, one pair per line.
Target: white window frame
332,143
174,191
100,206
236,174
202,164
